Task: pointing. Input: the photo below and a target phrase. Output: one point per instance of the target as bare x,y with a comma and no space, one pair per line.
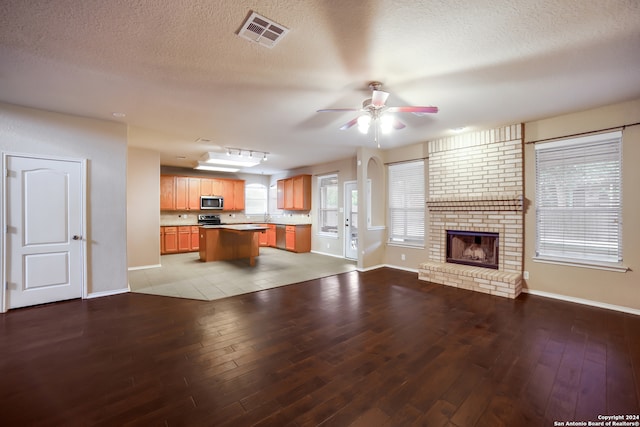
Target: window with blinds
328,206
255,196
406,203
578,199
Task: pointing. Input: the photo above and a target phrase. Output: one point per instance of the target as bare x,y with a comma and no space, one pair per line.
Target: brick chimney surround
476,184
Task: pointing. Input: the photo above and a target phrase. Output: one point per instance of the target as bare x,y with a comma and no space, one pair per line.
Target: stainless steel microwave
211,202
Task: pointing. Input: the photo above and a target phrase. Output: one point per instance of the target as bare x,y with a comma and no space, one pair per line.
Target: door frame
3,219
347,235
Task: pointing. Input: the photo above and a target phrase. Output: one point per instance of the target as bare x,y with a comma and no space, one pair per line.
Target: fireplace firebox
479,249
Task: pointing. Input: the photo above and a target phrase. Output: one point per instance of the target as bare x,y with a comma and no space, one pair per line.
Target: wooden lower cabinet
298,238
176,239
186,238
264,237
170,240
271,235
195,238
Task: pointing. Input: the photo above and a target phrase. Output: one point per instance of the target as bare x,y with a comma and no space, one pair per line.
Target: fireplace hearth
474,248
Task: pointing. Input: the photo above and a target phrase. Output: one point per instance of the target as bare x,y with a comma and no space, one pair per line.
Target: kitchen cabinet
184,238
187,193
170,237
294,193
193,199
238,195
271,235
263,237
298,238
195,238
233,194
175,239
210,187
167,192
288,194
183,192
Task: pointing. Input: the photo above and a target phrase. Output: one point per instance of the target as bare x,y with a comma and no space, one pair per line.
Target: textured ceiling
179,71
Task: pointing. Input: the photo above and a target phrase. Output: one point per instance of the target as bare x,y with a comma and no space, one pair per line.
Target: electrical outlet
328,245
402,257
525,275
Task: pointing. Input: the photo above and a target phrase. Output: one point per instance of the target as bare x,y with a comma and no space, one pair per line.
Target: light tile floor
185,276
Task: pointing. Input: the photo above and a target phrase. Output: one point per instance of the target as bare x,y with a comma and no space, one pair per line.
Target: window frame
413,203
323,210
559,238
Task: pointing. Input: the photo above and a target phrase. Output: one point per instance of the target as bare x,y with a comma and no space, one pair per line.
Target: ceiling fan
375,110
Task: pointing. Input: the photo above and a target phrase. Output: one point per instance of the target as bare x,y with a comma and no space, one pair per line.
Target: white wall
104,145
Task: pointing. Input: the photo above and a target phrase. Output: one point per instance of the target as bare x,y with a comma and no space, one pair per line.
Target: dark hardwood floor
379,348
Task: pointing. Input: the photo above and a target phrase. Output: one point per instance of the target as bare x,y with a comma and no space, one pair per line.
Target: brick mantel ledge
493,202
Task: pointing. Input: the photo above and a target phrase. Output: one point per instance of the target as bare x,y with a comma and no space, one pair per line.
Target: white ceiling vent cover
262,30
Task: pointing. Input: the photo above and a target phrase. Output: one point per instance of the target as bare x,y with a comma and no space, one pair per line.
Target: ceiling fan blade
349,124
379,98
412,109
336,110
397,124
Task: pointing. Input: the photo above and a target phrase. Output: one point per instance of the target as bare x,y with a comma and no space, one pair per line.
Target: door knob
76,237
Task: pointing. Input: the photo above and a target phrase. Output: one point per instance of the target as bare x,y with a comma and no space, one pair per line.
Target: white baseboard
144,267
333,255
582,301
107,293
397,267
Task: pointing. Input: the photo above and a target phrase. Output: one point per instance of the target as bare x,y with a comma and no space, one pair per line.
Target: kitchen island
225,242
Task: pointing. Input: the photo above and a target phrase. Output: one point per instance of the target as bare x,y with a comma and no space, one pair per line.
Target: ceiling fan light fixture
386,124
364,122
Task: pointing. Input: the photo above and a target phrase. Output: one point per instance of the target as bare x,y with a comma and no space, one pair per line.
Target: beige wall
104,145
346,171
143,208
393,253
586,284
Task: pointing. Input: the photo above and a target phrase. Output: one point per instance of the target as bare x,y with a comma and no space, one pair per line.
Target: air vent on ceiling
262,30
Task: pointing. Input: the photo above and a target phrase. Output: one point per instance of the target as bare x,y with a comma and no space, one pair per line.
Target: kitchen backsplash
191,218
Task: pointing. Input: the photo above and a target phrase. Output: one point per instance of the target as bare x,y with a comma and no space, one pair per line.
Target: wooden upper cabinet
206,186
167,192
288,194
302,192
182,193
228,193
194,193
238,195
232,191
295,193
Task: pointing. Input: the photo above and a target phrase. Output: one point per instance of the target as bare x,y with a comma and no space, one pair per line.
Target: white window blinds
328,206
406,203
578,199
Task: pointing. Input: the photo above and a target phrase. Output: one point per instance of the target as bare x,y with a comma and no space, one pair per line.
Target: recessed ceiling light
118,114
208,167
180,157
459,129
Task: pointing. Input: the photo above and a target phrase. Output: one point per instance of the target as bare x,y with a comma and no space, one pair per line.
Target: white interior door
351,220
44,230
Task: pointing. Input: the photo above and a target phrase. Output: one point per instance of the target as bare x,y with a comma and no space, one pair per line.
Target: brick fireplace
476,188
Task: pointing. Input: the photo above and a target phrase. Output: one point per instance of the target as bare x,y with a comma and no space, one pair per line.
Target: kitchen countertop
239,223
237,227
